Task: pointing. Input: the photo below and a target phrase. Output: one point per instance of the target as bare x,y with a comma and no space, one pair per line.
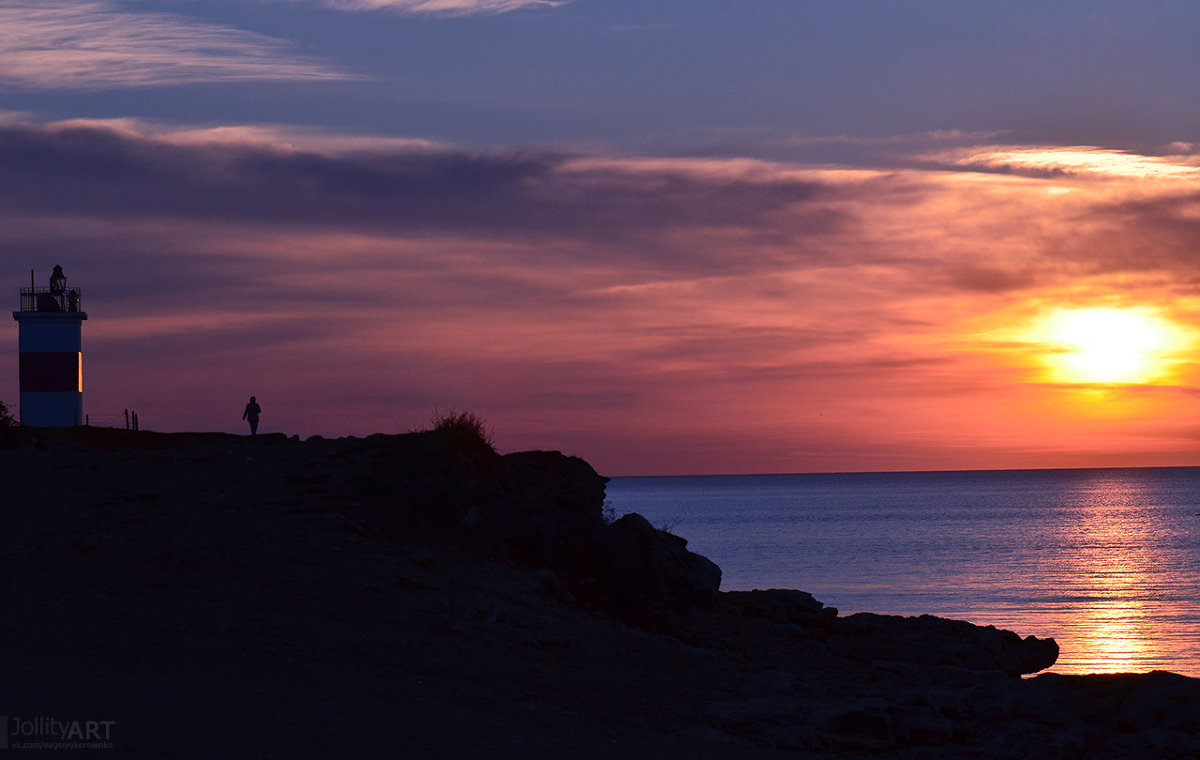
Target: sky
669,237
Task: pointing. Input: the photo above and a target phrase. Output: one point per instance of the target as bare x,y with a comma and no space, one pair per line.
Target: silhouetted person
251,415
48,302
58,280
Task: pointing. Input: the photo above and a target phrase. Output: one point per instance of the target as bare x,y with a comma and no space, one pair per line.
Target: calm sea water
1106,561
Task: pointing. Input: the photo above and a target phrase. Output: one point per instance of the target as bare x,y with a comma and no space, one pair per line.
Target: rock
1162,701
645,576
779,605
771,682
423,557
636,524
929,640
472,518
663,558
549,478
864,725
797,739
545,582
759,716
760,671
921,724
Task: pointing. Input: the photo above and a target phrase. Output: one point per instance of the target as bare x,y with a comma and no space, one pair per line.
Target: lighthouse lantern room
51,354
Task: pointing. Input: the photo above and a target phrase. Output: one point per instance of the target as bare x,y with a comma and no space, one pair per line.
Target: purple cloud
92,170
608,305
96,45
443,7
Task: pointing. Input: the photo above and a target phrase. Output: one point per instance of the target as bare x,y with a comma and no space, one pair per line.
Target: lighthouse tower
51,322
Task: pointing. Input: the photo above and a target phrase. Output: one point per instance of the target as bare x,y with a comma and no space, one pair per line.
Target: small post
135,422
126,419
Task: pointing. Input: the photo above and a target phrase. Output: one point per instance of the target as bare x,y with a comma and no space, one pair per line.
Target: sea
1105,561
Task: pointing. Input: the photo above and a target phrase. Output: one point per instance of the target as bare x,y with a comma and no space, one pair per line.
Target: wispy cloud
117,169
1081,160
282,138
443,7
97,45
594,301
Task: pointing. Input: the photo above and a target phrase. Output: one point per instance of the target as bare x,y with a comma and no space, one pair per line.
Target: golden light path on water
1105,561
1108,634
1112,555
1110,571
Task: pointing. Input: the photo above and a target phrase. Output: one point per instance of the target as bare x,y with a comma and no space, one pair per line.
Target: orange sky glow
972,306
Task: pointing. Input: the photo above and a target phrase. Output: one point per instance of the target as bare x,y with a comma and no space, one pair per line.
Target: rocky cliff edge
422,596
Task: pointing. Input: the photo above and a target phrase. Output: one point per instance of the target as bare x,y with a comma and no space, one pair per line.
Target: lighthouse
51,363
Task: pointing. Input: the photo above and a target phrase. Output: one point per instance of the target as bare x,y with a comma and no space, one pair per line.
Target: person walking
251,415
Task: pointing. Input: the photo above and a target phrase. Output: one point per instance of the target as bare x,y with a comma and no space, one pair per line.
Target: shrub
6,418
463,428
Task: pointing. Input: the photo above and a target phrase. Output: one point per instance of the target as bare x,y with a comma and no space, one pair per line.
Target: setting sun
1106,345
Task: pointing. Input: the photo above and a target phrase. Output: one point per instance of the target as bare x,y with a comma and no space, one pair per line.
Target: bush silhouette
465,429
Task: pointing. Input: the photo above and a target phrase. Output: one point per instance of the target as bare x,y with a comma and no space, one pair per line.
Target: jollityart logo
52,733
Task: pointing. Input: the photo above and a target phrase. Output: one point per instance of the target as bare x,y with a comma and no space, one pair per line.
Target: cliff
421,596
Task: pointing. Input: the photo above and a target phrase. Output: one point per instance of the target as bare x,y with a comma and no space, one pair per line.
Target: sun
1108,345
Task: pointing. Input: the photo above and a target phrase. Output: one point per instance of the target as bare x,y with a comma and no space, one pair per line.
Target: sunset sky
675,237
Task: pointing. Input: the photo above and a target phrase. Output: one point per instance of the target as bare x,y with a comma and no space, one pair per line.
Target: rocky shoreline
420,595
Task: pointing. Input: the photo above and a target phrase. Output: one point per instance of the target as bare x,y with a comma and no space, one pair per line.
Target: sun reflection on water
1108,547
1107,562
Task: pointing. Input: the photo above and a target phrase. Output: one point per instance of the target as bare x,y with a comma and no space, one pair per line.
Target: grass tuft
463,427
6,418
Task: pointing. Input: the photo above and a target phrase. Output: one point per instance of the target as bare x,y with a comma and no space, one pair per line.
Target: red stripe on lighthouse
52,372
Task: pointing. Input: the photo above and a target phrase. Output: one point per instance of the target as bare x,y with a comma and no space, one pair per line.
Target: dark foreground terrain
420,596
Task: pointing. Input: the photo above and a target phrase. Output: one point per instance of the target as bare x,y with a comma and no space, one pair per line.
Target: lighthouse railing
46,299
